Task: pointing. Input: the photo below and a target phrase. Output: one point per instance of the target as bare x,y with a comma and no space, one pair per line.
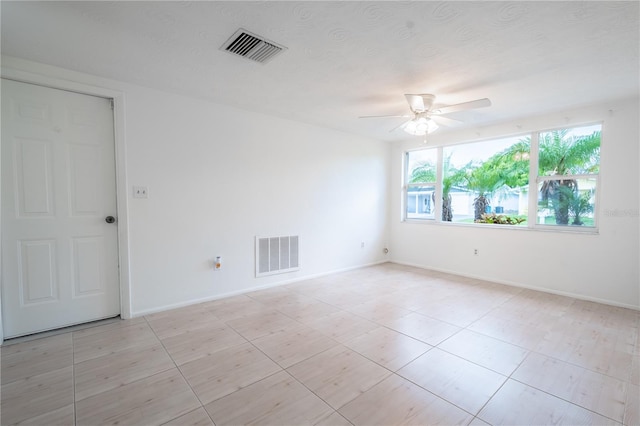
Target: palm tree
501,171
450,178
426,172
580,204
423,172
484,180
560,154
512,164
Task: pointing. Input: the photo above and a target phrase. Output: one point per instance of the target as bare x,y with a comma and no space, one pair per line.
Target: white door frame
121,171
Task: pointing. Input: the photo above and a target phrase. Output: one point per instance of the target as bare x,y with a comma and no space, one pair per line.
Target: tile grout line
73,378
557,396
502,385
529,352
179,371
392,373
507,378
58,331
566,400
282,369
335,410
436,395
285,370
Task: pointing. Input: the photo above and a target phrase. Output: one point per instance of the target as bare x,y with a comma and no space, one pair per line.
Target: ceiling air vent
252,46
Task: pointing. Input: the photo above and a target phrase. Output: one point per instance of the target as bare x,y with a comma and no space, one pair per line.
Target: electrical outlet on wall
140,192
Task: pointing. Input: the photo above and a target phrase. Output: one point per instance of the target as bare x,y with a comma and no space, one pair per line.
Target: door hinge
111,103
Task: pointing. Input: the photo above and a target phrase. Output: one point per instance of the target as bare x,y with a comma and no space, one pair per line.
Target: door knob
110,219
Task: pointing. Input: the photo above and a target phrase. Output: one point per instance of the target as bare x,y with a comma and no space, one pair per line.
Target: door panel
59,256
37,279
85,169
33,165
88,268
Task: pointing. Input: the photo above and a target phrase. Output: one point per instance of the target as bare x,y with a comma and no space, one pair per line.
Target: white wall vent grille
276,255
251,46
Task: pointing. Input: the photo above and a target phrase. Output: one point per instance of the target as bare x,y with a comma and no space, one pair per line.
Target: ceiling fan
425,118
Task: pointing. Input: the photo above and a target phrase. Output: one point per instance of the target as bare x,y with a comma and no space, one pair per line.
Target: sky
462,154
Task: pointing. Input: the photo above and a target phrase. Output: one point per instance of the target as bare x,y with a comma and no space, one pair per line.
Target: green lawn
551,220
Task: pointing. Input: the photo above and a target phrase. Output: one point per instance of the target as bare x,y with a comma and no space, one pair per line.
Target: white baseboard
351,268
520,285
249,290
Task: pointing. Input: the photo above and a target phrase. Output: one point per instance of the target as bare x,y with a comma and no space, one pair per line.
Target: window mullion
404,202
437,211
533,180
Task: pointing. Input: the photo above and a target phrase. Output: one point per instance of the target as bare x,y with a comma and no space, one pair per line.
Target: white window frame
534,181
569,177
407,185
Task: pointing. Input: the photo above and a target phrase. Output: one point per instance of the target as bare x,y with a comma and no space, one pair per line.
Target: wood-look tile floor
383,345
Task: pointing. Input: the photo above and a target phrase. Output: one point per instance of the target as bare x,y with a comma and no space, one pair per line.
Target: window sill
569,229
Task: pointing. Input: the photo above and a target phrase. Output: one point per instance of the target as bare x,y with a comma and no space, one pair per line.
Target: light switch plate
140,192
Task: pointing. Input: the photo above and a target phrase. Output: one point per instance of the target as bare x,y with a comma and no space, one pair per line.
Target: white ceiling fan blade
384,116
399,125
449,122
478,103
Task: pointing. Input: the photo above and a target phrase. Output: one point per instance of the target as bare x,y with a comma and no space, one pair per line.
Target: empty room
320,213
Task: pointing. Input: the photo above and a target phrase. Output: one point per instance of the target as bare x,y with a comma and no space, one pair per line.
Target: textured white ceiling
347,59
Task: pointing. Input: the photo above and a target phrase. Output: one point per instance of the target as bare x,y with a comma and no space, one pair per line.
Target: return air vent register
276,255
251,46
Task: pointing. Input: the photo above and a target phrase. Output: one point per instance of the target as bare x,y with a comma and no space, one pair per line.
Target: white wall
602,267
219,176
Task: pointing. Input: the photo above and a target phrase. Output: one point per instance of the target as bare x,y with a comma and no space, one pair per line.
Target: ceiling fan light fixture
420,126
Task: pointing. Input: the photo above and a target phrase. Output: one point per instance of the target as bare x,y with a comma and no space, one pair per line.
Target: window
568,167
495,182
483,178
421,184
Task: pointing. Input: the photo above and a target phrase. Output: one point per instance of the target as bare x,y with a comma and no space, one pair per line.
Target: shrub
500,219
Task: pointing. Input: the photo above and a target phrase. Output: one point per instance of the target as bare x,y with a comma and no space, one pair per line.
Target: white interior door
59,254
